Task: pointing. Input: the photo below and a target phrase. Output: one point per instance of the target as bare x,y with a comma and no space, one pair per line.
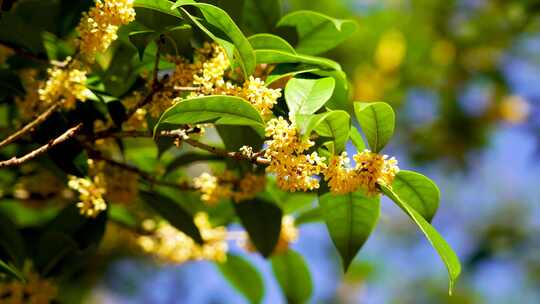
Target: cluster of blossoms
91,193
35,290
170,245
295,171
214,189
98,27
65,83
371,168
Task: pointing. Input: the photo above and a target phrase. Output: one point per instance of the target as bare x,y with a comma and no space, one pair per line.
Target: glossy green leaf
163,6
309,216
292,274
306,96
270,42
336,125
350,219
420,192
444,250
261,15
318,33
288,70
221,20
262,221
377,120
340,99
234,137
307,123
173,213
141,39
243,276
279,56
357,139
219,110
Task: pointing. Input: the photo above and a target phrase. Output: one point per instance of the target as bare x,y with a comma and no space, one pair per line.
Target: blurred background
464,78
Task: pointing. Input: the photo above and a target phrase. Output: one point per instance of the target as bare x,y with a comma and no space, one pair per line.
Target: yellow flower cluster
371,168
211,190
91,193
98,27
214,189
170,245
295,171
288,234
260,96
65,83
211,76
36,290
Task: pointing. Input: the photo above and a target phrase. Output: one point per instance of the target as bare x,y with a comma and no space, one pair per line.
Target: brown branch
60,139
30,126
143,174
221,152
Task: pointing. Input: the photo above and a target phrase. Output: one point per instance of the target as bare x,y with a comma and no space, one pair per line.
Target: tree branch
60,139
30,126
220,152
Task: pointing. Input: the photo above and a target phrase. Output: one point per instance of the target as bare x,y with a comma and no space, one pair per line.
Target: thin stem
220,152
60,139
30,126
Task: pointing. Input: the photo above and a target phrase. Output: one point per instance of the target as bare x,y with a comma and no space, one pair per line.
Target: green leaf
357,139
141,39
336,125
293,276
234,137
307,123
377,120
11,271
444,250
420,192
219,110
288,70
173,213
218,18
306,96
262,221
309,216
243,276
11,242
318,33
279,56
163,6
340,97
261,15
270,42
350,219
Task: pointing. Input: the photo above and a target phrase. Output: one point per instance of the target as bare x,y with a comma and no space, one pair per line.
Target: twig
143,174
236,155
60,139
30,126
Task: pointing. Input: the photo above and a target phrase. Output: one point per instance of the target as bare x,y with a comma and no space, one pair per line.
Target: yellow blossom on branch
170,245
295,171
371,169
65,83
98,27
211,189
91,193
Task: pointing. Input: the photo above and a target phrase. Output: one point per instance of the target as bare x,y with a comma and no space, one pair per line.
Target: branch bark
60,139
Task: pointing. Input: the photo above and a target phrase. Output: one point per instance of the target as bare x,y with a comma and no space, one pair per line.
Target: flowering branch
255,158
30,126
60,139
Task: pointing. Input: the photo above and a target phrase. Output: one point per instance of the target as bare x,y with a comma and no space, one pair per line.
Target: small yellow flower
259,95
91,193
288,234
98,27
171,245
65,83
295,171
210,188
371,169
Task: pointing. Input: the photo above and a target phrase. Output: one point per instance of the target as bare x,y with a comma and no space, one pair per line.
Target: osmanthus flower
98,27
260,96
67,83
370,169
36,290
294,170
213,189
91,193
171,245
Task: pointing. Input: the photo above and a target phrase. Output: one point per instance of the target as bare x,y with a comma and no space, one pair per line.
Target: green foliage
244,277
377,121
293,276
418,191
307,96
350,219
